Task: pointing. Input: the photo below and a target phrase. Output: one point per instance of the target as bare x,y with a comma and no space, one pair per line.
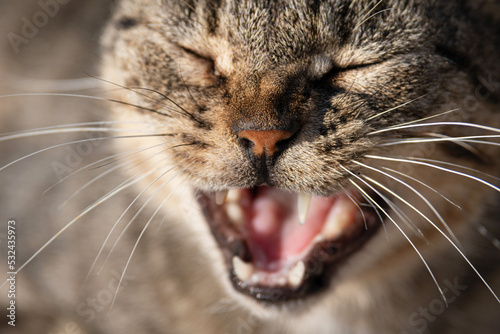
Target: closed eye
207,65
127,22
338,70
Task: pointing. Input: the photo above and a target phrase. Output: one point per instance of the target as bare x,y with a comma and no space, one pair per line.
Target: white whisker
440,231
96,124
424,118
53,85
136,215
133,250
367,16
83,213
120,218
98,177
402,127
69,130
124,154
488,235
70,143
398,227
395,108
423,184
435,167
446,163
370,205
422,197
404,218
56,94
468,139
357,205
373,15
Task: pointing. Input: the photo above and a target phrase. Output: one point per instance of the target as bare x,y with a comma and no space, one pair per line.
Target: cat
252,166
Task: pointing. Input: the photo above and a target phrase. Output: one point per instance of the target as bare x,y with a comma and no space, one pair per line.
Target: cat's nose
264,141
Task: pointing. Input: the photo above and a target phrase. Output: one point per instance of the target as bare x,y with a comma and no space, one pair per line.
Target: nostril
263,141
245,143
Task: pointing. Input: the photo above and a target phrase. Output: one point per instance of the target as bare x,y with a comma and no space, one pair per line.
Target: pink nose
264,141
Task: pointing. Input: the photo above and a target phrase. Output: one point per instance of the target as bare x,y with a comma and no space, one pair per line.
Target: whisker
373,15
442,139
125,155
187,88
344,95
425,185
74,142
405,219
368,14
133,89
440,231
370,204
86,97
100,176
68,130
55,85
136,215
82,213
444,113
435,167
398,227
134,248
401,127
419,194
357,109
72,125
357,205
394,108
117,221
56,94
184,111
446,163
488,235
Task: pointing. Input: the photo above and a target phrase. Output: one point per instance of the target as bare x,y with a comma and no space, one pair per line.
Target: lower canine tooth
304,200
233,195
220,197
296,274
339,218
242,269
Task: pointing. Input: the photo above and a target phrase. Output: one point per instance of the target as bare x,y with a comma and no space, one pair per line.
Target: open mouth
281,246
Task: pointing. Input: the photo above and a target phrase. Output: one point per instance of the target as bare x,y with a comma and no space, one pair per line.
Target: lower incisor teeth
296,274
242,269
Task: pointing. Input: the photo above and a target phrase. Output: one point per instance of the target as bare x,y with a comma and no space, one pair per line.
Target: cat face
291,125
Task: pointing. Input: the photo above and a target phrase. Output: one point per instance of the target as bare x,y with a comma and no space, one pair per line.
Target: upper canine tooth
296,274
235,213
220,197
304,200
242,269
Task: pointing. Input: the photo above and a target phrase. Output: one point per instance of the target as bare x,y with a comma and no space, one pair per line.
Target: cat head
281,102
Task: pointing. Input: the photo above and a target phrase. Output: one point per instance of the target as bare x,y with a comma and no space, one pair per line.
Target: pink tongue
275,232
